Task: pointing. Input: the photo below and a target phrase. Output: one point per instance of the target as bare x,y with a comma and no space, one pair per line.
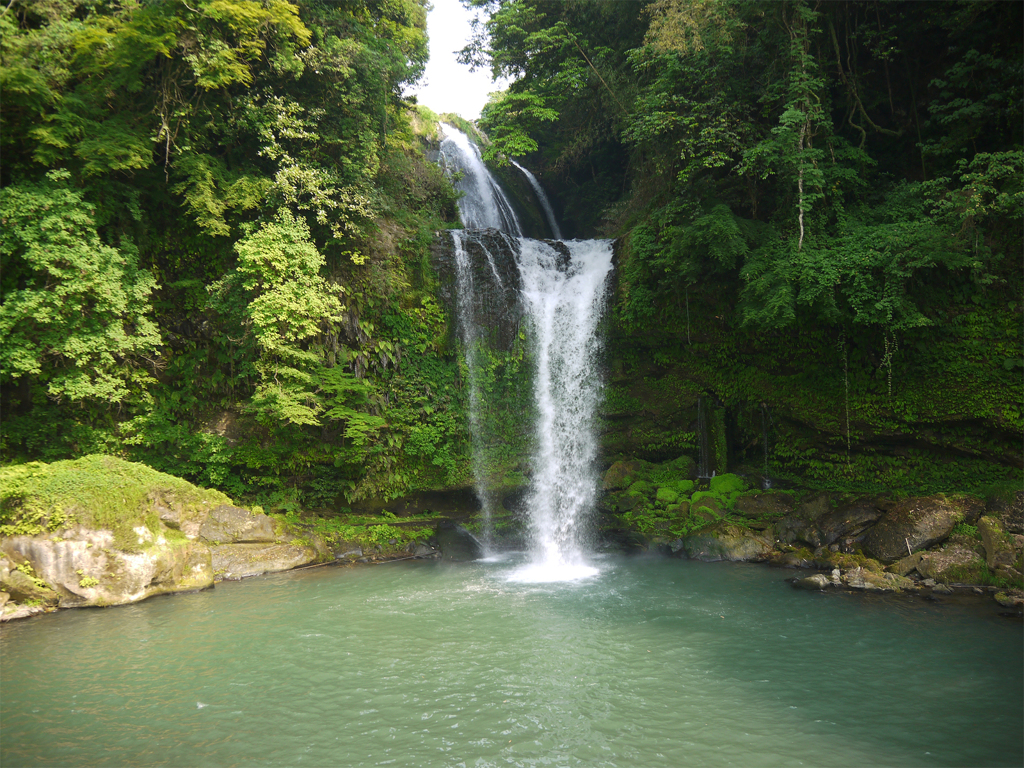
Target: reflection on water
649,662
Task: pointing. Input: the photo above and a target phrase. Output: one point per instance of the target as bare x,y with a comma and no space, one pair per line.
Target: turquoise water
650,663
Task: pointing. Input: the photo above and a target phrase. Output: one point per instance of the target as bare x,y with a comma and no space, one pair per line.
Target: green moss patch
100,492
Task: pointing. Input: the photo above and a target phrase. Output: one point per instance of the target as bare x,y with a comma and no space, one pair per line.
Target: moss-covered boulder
621,474
103,531
954,563
999,547
22,587
726,484
726,541
667,495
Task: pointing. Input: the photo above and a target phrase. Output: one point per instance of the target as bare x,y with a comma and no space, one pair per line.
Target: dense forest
218,214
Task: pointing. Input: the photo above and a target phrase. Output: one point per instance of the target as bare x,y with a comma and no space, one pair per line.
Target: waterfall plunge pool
650,662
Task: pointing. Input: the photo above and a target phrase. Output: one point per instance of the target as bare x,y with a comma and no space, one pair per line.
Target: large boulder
873,581
237,561
849,520
621,475
84,569
760,504
22,588
456,543
813,507
1009,511
233,525
725,541
915,523
999,549
956,562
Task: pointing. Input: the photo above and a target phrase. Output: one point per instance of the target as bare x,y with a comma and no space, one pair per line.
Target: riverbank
100,531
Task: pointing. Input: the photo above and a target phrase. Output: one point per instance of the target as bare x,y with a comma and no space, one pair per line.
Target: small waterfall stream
542,198
563,296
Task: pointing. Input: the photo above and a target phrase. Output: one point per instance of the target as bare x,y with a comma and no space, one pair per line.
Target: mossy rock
684,486
684,465
667,495
724,541
682,509
642,488
723,485
621,474
98,492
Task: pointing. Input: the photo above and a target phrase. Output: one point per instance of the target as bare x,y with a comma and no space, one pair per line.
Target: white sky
448,86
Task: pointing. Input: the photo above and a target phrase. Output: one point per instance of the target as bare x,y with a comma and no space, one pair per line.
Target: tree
75,315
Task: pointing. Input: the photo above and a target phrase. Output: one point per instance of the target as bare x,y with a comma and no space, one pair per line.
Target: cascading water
563,295
542,198
565,300
483,205
470,337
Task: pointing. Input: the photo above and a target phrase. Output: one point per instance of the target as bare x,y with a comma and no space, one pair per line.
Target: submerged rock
817,581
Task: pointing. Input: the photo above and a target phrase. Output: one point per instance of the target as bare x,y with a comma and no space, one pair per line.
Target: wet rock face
496,282
456,543
916,523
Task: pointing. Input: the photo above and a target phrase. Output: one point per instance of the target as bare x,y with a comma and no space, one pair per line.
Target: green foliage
75,318
965,529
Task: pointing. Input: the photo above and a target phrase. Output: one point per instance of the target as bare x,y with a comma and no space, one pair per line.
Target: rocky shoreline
180,539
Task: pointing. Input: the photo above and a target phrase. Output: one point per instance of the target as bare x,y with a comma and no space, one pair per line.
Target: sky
448,86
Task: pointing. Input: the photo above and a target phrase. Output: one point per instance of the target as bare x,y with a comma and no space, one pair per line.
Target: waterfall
483,204
562,292
543,200
565,299
469,334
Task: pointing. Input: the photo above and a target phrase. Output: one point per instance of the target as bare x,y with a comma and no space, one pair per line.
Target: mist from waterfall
563,295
